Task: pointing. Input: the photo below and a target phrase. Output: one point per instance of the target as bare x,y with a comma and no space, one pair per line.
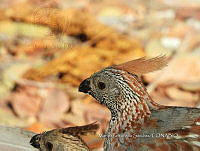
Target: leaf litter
59,43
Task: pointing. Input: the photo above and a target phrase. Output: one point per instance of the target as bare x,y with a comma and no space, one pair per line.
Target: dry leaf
55,104
71,67
183,97
26,101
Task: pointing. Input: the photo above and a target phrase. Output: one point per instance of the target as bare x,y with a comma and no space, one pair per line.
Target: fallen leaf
97,112
37,127
26,101
187,97
55,104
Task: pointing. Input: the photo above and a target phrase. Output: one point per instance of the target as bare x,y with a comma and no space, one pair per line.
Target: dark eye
37,139
101,85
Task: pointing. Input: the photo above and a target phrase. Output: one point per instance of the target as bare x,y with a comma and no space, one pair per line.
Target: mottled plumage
65,139
137,122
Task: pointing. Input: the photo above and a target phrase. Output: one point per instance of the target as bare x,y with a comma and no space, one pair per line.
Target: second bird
64,139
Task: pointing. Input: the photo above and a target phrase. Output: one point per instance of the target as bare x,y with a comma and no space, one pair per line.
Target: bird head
35,141
119,85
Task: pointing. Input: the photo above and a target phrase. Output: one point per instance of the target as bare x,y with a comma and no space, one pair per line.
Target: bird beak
84,86
34,143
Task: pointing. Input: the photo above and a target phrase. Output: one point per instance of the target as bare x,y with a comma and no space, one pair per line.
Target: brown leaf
96,112
55,104
26,101
183,98
37,127
71,64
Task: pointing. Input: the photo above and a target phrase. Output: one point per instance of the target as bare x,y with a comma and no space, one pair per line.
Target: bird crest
143,65
81,130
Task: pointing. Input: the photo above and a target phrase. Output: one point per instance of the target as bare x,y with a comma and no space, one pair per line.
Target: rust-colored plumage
65,139
137,122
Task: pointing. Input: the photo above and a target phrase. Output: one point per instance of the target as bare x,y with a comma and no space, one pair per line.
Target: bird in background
137,122
65,139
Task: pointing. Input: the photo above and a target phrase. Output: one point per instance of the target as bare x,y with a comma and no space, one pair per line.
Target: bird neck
133,112
132,117
134,105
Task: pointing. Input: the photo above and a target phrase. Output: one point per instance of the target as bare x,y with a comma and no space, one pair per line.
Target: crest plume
81,130
142,65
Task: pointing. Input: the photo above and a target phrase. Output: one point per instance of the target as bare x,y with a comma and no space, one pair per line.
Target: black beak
33,141
84,86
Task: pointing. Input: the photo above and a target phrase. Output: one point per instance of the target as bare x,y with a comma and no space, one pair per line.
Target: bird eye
37,139
101,85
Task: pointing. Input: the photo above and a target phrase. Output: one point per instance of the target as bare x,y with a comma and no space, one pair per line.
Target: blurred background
47,47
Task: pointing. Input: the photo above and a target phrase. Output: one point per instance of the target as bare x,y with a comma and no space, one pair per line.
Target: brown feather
81,130
142,65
